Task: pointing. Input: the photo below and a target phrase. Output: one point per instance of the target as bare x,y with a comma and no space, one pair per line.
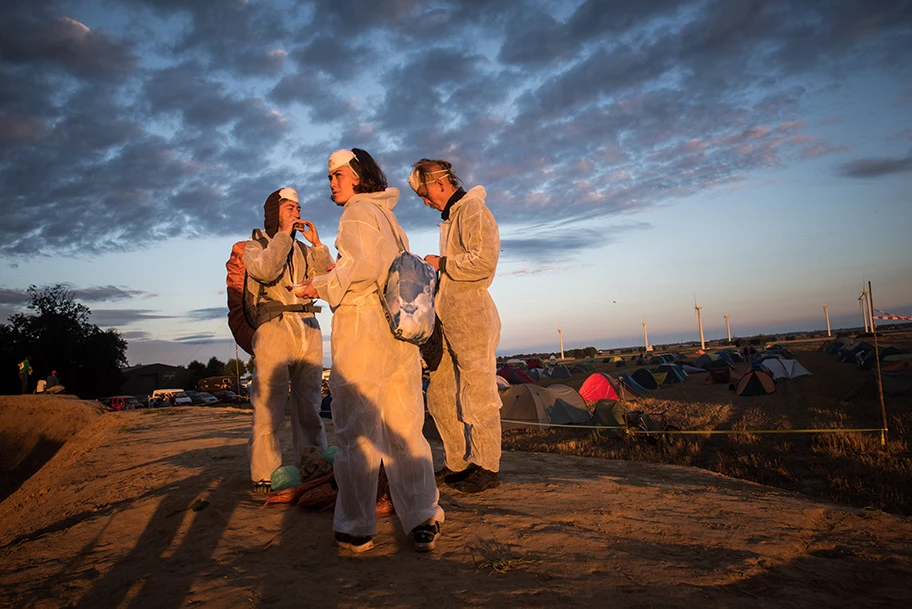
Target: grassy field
849,468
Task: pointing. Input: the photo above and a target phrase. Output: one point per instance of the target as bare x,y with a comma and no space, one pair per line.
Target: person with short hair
375,382
462,395
287,343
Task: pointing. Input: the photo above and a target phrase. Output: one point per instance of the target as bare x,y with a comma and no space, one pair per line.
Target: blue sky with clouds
756,153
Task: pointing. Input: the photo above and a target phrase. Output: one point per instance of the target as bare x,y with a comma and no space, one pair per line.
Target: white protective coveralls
378,410
462,395
287,348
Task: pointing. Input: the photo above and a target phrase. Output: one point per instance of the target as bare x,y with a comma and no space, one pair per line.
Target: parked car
171,397
226,395
124,402
202,397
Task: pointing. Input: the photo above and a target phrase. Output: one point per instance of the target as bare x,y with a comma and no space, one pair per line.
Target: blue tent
632,385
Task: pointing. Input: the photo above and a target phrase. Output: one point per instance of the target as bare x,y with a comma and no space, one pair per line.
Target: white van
180,398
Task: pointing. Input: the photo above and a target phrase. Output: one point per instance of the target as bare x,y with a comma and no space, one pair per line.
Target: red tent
515,375
599,386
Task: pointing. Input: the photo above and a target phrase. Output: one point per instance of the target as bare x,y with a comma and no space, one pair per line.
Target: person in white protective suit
462,394
287,344
378,410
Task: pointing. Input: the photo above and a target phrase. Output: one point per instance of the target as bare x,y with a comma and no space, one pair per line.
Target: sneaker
460,476
425,536
262,487
353,543
479,480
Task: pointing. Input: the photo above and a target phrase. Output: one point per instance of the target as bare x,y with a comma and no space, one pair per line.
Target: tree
215,367
235,367
58,336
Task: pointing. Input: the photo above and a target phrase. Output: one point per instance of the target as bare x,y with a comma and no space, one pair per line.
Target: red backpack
238,317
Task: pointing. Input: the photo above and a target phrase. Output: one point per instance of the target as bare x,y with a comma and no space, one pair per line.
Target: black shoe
425,536
262,487
460,476
479,480
355,544
443,473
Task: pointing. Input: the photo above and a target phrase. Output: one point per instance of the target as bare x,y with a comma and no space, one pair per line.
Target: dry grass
850,468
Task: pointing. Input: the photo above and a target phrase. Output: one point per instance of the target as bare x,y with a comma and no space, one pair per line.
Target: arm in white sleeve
477,245
359,245
267,264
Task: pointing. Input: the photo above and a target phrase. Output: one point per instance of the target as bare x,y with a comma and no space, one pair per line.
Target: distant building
144,379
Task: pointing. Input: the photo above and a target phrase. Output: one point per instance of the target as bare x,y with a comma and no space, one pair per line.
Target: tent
726,356
517,363
502,383
626,383
645,379
534,363
599,386
610,414
657,360
896,377
536,373
566,405
675,373
559,372
557,404
691,369
783,368
706,359
578,368
755,382
612,359
515,375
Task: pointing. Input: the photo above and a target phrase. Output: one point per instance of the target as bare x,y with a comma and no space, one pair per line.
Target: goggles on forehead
342,158
415,178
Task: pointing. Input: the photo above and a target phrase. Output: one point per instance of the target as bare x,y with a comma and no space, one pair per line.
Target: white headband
288,193
415,178
342,158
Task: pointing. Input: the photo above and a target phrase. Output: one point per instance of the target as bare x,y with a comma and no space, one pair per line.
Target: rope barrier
694,432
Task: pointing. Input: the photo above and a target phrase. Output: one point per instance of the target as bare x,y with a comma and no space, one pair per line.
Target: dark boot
479,480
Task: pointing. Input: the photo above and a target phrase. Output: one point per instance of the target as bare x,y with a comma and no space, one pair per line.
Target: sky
754,155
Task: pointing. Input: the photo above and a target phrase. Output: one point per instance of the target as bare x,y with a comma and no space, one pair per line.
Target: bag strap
383,212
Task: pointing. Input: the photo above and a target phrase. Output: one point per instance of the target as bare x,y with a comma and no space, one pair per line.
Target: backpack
245,313
408,296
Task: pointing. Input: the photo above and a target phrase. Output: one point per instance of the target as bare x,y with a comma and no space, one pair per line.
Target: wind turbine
561,334
645,337
728,328
863,303
700,321
827,313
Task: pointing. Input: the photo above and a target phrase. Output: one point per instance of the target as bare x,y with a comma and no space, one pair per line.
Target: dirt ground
106,523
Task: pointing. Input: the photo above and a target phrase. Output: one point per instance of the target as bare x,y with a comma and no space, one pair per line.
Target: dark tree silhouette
57,334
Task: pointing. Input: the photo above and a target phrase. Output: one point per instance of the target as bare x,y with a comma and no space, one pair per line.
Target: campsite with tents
649,483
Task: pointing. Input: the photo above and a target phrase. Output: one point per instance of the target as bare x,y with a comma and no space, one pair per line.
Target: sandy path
104,524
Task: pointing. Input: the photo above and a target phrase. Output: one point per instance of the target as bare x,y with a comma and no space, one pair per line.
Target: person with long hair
378,409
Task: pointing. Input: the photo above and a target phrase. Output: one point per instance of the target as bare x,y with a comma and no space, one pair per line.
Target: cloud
107,293
207,314
10,296
170,120
875,167
135,335
123,317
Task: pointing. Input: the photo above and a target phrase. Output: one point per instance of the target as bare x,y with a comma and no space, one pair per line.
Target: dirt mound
108,522
32,430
